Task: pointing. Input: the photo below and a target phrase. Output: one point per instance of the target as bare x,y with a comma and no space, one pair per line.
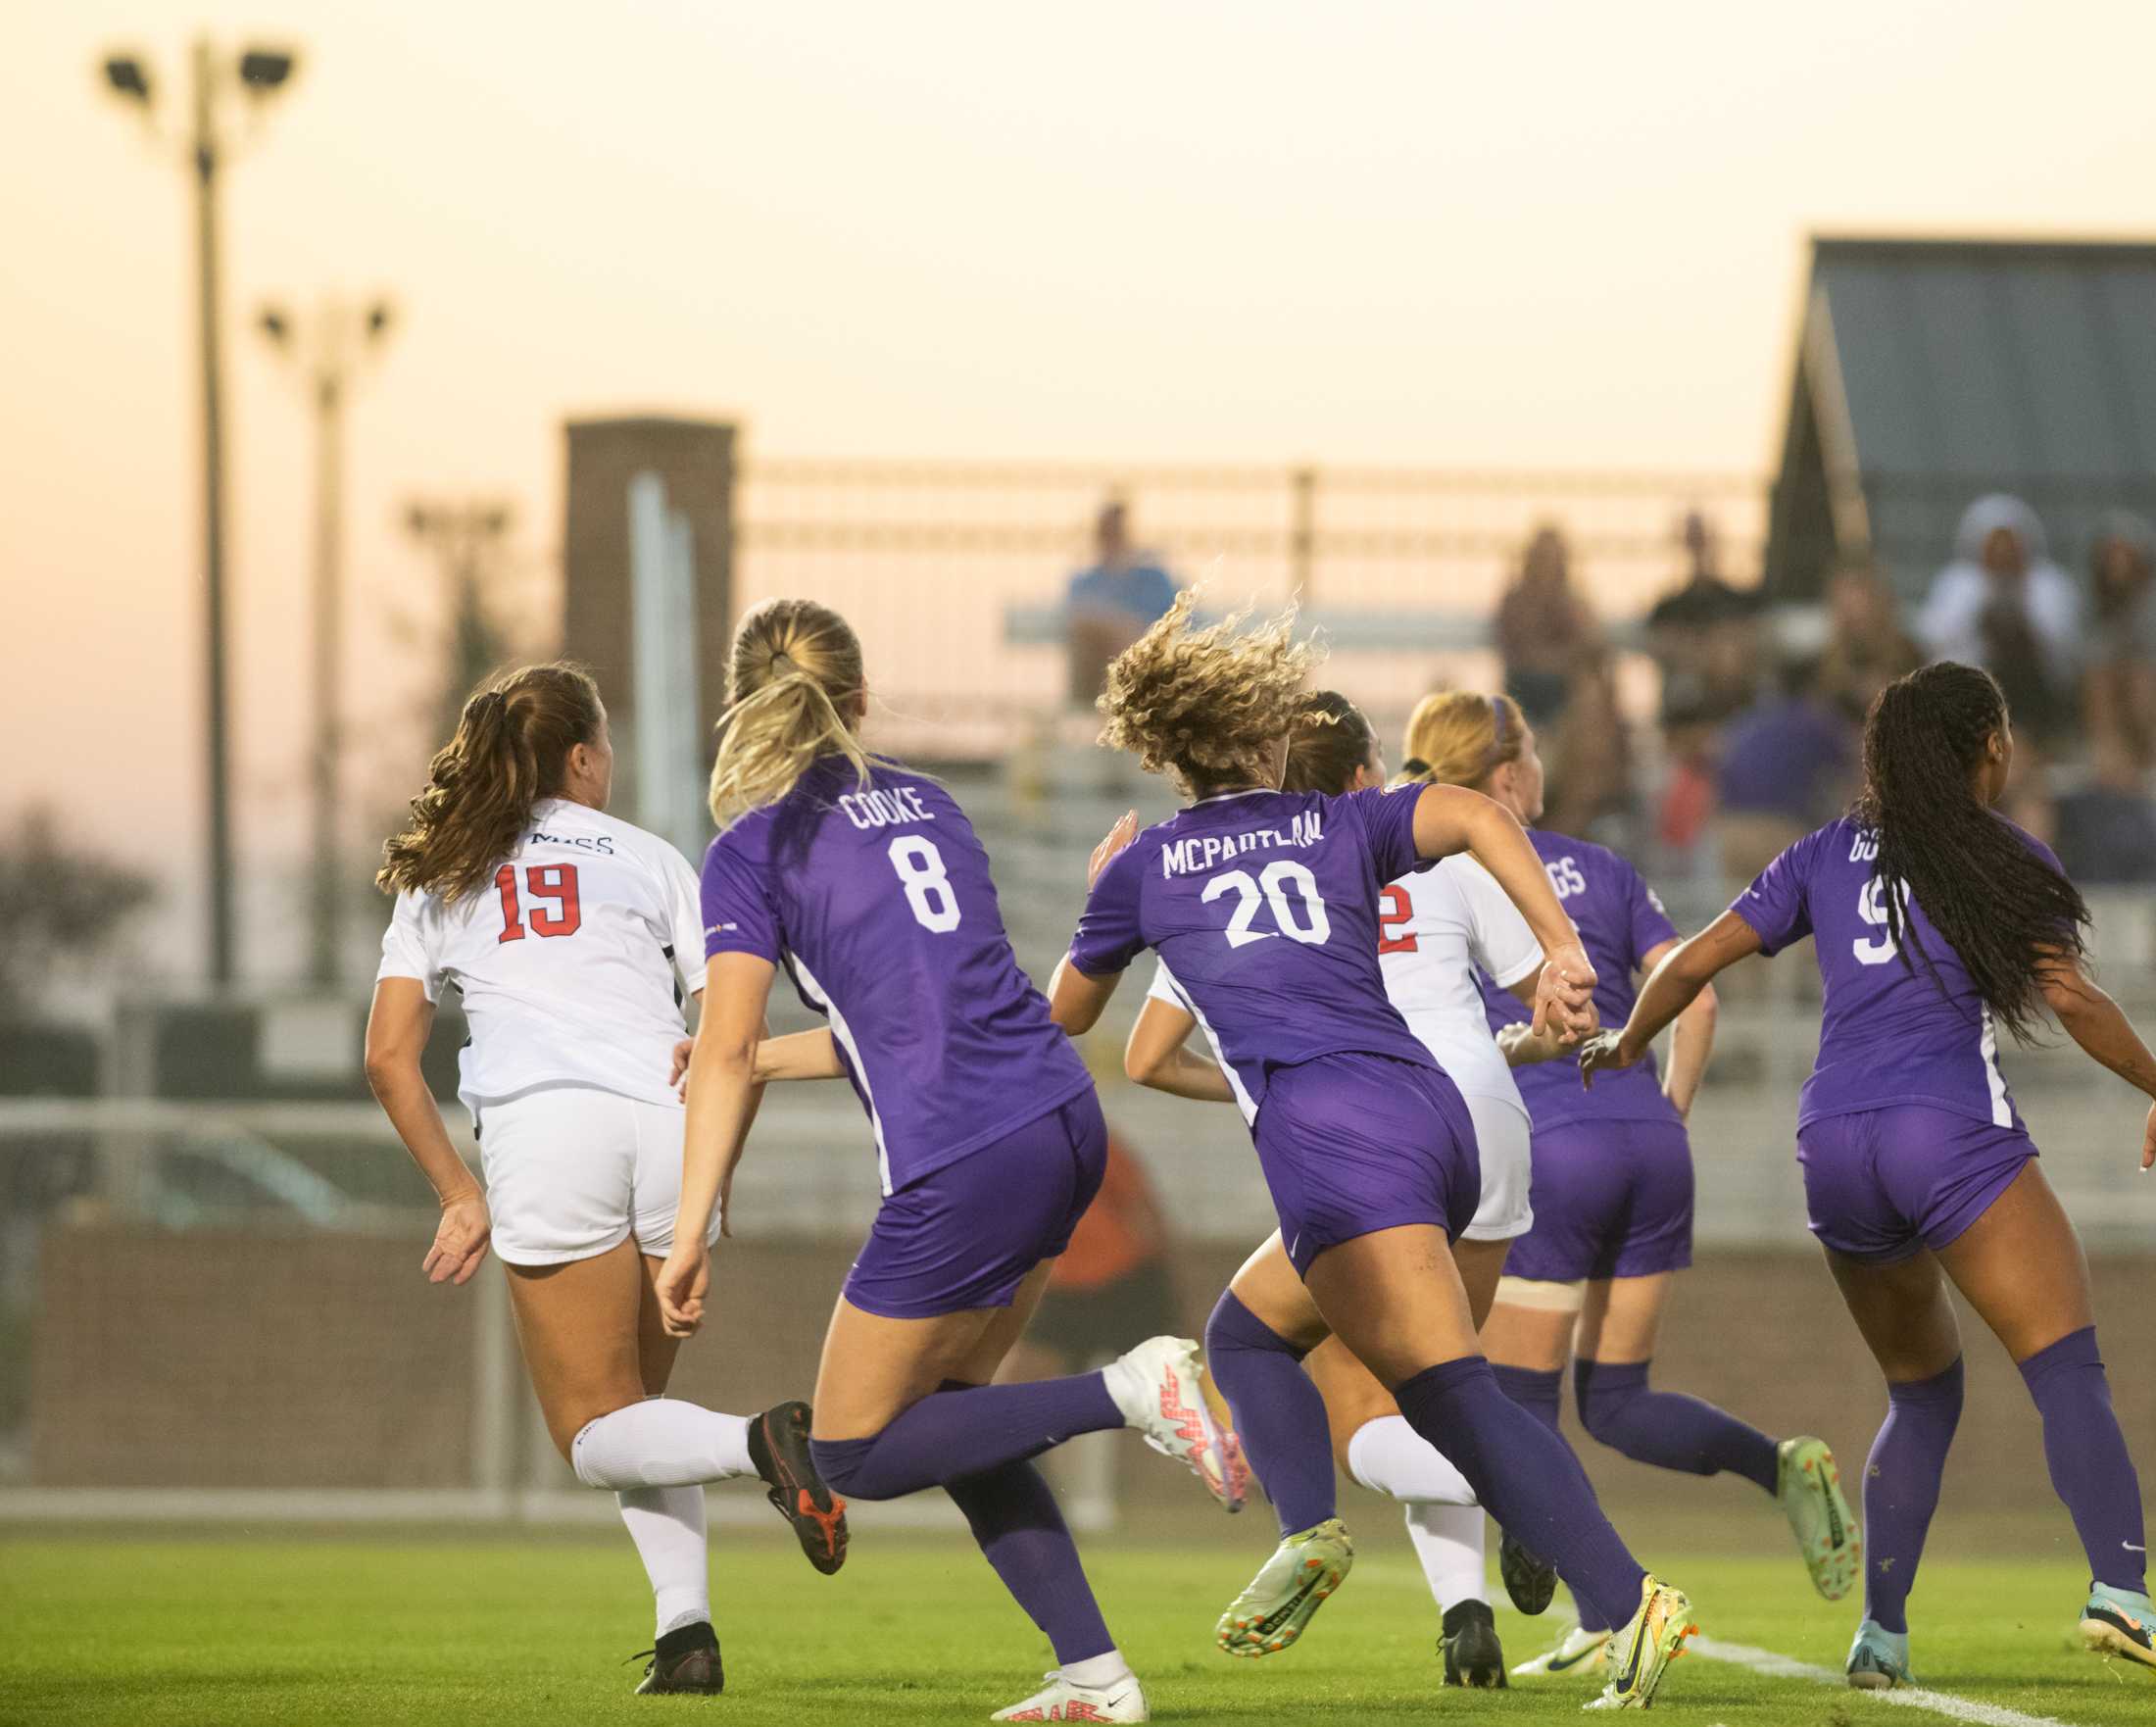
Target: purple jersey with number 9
1264,907
1892,1031
877,902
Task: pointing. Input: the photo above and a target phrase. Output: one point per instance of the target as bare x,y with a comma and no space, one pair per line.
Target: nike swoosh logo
1279,1616
2132,1548
1557,1665
1632,1659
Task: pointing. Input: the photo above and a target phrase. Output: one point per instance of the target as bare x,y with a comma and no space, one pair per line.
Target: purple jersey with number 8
1892,1032
877,902
1264,907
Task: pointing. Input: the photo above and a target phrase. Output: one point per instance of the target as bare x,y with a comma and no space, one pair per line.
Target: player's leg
578,1322
2020,1265
929,1297
1902,1311
1260,1331
777,1437
903,1400
1618,1327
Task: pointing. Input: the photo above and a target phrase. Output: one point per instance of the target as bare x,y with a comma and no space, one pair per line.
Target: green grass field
359,1629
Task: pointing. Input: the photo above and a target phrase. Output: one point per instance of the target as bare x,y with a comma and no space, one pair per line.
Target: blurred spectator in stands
1544,628
1867,648
1113,601
1787,766
1111,1288
2004,605
1590,756
2118,694
1703,636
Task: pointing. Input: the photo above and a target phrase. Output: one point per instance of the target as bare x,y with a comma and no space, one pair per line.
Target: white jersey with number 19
573,962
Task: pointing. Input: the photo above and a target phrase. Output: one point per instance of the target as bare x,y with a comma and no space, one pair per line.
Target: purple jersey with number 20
1891,1032
1263,906
877,901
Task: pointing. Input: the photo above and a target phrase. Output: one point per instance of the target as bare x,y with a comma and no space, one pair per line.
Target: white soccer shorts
572,1171
1503,1137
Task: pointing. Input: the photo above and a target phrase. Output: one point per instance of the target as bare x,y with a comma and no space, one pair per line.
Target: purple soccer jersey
1890,1033
1264,907
1619,920
877,902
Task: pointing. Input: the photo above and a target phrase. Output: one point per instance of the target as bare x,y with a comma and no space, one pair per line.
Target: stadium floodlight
125,74
263,69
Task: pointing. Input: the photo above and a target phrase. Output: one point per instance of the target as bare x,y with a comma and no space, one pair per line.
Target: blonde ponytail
797,668
1455,737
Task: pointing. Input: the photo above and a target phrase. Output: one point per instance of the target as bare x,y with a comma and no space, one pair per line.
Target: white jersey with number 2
573,960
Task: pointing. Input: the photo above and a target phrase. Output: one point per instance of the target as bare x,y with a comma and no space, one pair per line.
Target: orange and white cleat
1062,1700
1809,1487
1156,1387
1277,1605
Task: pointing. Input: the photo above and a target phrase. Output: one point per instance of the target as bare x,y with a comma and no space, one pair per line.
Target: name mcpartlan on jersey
1192,857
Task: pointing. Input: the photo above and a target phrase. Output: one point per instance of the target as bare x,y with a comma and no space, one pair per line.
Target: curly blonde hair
1207,707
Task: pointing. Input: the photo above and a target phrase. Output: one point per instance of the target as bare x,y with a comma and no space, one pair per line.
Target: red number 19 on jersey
542,881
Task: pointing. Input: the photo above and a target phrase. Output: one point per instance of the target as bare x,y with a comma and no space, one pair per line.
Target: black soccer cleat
1473,1655
778,1446
685,1662
1529,1581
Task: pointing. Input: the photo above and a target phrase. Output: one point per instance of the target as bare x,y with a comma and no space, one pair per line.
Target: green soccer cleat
1879,1659
1809,1487
2116,1623
1640,1654
1580,1653
1288,1591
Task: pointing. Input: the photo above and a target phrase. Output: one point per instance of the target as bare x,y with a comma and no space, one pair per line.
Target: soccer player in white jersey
1436,925
573,940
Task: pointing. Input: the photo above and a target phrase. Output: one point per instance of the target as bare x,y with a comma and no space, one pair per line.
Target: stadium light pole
256,74
326,354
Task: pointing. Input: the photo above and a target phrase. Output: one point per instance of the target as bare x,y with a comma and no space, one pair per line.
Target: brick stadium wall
248,1360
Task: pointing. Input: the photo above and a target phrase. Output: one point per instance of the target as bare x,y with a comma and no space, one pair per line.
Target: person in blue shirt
1113,601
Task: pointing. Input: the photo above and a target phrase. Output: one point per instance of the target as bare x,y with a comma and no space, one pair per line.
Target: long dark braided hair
2001,907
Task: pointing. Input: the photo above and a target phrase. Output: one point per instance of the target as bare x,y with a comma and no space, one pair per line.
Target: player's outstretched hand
1564,997
682,1283
2149,1143
1599,1053
677,1076
459,1241
1120,836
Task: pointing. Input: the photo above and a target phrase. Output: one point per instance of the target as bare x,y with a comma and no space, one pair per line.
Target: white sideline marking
1908,1697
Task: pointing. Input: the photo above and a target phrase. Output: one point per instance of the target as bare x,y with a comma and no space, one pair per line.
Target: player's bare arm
722,1095
1674,983
1451,819
1157,1055
1695,1040
396,1029
2097,1023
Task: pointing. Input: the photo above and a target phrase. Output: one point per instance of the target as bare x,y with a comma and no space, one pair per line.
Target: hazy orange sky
1536,234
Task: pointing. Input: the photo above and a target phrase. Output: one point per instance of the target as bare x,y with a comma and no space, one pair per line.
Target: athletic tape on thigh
1544,1298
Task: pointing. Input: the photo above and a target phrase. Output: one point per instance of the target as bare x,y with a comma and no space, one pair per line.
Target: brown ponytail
1330,741
511,749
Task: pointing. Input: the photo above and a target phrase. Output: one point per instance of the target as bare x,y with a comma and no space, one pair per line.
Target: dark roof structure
1931,371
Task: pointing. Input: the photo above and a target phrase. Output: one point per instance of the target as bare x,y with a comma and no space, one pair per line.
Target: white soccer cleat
1062,1701
1579,1651
1156,1387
